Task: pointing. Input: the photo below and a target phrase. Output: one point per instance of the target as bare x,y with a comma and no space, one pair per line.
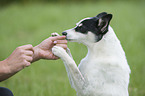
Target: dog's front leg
67,50
76,79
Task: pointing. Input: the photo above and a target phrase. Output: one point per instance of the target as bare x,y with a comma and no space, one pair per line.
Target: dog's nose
64,33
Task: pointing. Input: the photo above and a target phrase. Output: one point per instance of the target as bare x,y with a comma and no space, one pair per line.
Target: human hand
44,49
19,59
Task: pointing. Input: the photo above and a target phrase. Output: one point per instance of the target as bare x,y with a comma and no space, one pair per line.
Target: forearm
4,71
5,76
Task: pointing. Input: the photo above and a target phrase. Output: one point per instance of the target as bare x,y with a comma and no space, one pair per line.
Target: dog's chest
92,68
98,70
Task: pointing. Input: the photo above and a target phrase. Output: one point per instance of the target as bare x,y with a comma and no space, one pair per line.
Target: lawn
22,24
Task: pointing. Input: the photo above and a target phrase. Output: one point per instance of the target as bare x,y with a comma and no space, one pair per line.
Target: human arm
44,49
18,60
23,56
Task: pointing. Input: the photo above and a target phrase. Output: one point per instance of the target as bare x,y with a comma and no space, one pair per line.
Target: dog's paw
54,34
58,51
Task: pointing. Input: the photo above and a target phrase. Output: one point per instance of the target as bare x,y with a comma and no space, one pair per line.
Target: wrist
36,56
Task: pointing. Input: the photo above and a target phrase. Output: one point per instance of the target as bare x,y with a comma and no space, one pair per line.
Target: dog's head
89,29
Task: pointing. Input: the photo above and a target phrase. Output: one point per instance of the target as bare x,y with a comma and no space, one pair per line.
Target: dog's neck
108,46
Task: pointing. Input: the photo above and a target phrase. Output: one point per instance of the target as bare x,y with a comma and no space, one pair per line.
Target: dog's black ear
101,14
103,22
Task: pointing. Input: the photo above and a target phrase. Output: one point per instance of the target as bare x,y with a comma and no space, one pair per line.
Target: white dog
104,71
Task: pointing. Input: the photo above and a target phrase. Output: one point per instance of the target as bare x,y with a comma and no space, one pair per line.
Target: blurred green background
30,22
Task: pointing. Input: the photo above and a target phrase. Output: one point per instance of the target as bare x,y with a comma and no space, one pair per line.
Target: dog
104,71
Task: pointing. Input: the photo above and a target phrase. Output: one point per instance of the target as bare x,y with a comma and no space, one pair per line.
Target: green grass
32,23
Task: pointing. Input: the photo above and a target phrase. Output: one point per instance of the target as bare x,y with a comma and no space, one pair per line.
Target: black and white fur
104,71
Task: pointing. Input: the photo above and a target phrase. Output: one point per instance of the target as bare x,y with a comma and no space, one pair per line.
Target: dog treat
54,34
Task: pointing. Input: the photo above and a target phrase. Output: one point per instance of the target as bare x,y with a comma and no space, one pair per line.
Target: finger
27,47
57,38
28,58
27,64
29,53
60,42
64,46
55,57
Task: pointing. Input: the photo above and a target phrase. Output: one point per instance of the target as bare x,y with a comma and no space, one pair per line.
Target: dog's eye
81,29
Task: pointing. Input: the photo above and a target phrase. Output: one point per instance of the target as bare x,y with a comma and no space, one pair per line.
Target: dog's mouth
70,39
